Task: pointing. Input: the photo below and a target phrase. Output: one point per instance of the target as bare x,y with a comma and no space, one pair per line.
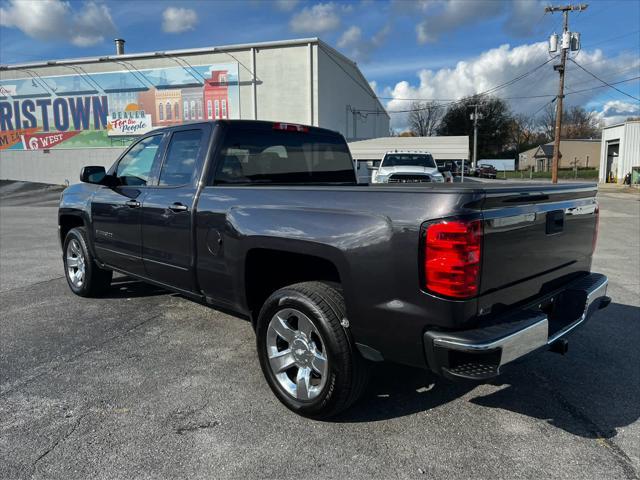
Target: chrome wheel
297,354
76,263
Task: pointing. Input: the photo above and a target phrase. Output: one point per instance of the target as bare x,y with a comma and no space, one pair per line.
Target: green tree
494,126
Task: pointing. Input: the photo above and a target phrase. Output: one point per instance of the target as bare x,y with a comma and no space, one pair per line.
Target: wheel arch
68,220
285,267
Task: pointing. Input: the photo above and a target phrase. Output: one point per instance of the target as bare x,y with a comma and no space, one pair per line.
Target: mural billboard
105,109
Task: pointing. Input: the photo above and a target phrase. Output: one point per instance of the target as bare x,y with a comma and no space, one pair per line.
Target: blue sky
406,49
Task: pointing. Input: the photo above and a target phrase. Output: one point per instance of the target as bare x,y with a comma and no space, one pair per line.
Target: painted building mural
105,109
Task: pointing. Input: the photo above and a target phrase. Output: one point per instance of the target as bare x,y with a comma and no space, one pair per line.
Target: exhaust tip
604,302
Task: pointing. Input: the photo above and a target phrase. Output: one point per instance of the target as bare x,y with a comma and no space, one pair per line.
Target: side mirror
92,174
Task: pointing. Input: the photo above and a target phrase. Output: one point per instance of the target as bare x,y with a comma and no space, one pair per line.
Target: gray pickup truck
266,221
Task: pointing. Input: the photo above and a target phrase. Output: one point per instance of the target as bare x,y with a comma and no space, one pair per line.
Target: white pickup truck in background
407,167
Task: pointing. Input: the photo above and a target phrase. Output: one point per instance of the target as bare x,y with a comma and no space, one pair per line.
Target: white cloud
617,111
499,65
322,17
440,17
178,20
55,20
359,48
350,37
286,5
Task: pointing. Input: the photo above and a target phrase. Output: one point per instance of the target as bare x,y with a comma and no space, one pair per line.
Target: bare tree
522,131
576,123
548,121
424,118
579,123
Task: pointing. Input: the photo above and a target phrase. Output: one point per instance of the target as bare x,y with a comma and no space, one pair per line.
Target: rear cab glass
261,156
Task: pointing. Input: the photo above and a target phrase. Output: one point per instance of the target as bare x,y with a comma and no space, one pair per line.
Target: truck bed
372,235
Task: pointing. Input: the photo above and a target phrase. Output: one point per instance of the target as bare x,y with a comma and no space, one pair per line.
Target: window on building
160,111
217,103
180,161
223,79
185,110
176,111
192,107
209,110
199,109
224,108
168,111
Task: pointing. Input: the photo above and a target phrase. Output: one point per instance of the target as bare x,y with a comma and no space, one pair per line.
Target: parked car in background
485,171
267,221
445,170
454,167
407,167
462,165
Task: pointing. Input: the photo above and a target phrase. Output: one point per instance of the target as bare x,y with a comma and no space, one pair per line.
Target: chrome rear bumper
481,352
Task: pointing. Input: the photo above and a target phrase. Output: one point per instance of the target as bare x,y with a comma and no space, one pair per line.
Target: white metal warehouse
620,151
56,116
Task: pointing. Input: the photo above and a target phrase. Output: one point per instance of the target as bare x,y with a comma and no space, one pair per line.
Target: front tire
306,355
84,276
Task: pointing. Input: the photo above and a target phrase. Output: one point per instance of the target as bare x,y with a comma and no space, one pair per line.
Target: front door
116,210
167,210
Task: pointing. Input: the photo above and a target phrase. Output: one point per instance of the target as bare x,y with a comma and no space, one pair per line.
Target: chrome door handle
178,207
132,203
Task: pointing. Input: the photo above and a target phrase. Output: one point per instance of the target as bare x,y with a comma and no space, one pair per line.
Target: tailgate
536,239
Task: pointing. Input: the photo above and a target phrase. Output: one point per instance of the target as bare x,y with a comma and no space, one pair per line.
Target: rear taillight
595,231
452,258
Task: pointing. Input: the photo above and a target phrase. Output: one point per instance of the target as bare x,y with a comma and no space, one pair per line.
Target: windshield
408,160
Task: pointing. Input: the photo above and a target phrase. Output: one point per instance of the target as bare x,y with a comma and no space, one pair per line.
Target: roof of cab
253,124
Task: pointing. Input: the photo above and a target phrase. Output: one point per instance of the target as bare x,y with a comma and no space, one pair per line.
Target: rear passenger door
167,210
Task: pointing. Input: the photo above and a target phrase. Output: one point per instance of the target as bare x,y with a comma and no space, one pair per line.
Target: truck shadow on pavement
590,392
123,286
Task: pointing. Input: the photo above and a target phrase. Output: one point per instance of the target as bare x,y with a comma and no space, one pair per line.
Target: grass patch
566,174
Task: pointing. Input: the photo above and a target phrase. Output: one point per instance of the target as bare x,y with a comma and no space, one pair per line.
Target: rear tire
306,355
84,276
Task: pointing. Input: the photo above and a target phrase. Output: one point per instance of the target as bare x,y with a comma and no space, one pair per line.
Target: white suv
407,167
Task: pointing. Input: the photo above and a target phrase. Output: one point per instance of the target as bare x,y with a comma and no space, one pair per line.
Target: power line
543,106
357,82
613,82
451,102
606,40
522,97
479,94
607,85
602,81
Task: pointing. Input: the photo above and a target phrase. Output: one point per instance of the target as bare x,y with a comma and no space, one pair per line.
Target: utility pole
474,117
570,41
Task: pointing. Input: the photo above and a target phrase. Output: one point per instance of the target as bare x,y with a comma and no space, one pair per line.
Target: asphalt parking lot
145,384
